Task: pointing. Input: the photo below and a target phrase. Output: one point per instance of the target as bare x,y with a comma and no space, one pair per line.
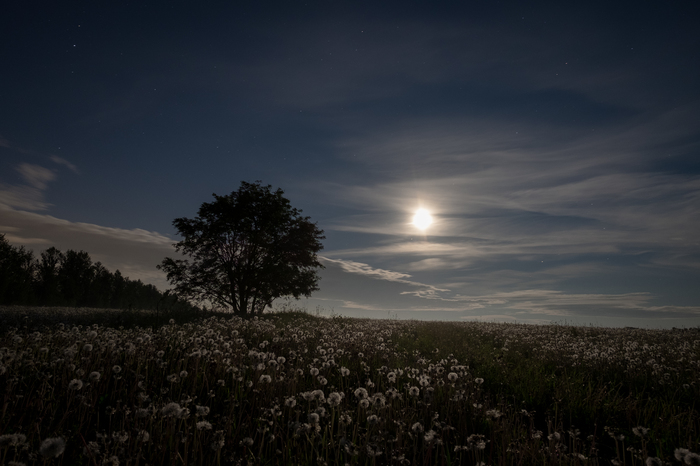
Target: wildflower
313,418
344,371
345,419
417,428
265,378
478,380
452,377
202,410
171,410
372,419
75,384
12,440
335,398
640,431
183,374
203,425
364,404
143,436
94,376
142,413
52,447
391,376
313,371
691,458
120,437
414,391
429,436
653,461
173,378
87,347
160,354
111,461
247,441
116,369
318,395
361,393
91,449
290,402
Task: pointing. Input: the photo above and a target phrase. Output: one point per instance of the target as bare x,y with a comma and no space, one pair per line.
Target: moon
422,219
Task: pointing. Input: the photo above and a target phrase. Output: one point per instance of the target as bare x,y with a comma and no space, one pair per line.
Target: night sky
556,145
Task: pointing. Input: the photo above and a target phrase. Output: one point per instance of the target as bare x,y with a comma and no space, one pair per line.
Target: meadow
94,387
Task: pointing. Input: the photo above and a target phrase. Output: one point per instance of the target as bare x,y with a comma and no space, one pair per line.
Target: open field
291,388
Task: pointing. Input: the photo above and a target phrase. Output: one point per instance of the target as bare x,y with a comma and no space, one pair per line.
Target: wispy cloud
64,162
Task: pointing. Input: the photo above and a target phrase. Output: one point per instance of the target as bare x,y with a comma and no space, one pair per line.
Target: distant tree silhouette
72,279
246,249
16,273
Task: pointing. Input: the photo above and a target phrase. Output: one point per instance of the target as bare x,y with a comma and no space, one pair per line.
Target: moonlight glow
422,219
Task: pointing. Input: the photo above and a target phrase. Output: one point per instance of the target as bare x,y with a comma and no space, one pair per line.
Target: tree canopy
245,250
56,278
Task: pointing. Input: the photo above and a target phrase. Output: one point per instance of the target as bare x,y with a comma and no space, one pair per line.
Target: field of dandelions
296,389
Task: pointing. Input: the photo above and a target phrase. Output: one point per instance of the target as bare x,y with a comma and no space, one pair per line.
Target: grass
106,387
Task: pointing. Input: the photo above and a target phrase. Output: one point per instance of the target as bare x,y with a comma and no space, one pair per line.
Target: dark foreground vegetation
293,389
71,279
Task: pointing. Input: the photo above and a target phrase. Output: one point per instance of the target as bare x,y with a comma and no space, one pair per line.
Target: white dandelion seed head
52,447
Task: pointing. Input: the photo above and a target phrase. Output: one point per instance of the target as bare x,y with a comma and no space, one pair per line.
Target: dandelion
290,402
653,461
171,410
202,410
372,419
265,379
143,436
478,380
452,377
183,374
75,384
414,391
429,436
203,425
313,371
247,441
91,449
364,404
120,437
640,431
52,447
142,413
160,354
344,371
12,440
87,347
335,398
313,418
116,369
417,428
173,378
361,393
94,376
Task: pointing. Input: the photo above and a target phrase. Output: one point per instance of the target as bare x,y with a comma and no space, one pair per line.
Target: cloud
36,175
62,161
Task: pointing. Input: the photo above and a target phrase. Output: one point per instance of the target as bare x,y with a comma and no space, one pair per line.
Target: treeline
72,279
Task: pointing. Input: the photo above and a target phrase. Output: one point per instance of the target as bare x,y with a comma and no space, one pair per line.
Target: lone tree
247,249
